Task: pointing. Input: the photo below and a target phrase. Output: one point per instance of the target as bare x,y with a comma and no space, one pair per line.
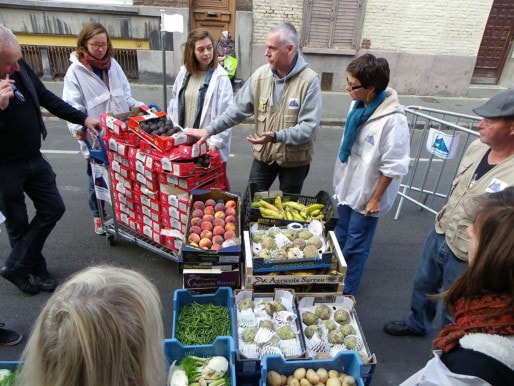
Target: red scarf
489,314
90,62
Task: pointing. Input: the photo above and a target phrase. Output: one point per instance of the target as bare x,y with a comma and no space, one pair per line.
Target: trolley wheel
110,240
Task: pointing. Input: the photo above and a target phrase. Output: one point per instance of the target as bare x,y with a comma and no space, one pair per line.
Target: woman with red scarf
478,348
95,83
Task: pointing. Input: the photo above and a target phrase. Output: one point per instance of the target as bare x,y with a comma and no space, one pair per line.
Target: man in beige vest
487,167
285,98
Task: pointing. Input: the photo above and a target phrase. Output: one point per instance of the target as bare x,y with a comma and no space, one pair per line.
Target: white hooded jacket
382,146
85,91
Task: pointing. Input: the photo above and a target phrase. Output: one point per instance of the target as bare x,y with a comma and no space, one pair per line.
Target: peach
198,204
205,243
230,211
229,235
218,221
219,207
209,210
195,229
218,239
216,247
208,218
219,214
230,226
206,234
230,219
231,204
196,221
197,213
218,230
194,238
210,202
206,226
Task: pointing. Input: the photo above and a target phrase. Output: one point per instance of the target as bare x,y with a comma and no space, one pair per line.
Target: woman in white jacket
202,91
373,158
95,83
478,348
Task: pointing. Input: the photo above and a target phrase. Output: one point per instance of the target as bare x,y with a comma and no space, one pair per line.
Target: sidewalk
335,104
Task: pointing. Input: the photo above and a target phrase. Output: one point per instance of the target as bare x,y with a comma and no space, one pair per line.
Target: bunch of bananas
290,210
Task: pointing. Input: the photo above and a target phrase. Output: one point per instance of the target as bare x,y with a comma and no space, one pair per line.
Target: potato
305,382
294,382
349,381
333,381
322,374
299,373
333,374
312,377
273,378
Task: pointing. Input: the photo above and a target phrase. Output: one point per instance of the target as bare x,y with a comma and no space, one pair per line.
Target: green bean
199,324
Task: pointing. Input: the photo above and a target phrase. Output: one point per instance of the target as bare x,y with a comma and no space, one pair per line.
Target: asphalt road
386,286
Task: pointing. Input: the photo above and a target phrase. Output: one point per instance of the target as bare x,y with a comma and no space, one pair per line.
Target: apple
230,211
195,229
194,238
218,221
206,234
218,239
219,214
208,218
230,219
206,226
209,210
196,221
231,204
219,207
198,204
218,230
210,202
230,226
197,213
229,235
205,243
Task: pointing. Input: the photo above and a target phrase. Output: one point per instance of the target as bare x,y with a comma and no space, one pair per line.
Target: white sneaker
99,230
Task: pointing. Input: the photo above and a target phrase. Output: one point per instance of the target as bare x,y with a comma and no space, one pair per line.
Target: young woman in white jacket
201,92
95,83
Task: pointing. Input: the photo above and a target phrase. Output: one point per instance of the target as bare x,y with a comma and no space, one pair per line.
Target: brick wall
426,27
268,13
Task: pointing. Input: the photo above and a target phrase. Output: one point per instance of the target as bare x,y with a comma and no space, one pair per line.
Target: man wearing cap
487,167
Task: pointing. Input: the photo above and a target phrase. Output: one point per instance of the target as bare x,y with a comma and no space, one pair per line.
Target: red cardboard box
191,182
161,143
190,167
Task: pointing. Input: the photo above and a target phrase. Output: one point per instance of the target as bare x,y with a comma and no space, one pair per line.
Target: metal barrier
439,140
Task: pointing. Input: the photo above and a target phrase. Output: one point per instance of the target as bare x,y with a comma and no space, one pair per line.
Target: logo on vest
294,104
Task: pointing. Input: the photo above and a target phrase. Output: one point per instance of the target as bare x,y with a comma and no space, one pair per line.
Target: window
332,25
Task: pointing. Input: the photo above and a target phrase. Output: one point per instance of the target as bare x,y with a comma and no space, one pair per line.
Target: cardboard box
332,277
208,278
191,167
191,182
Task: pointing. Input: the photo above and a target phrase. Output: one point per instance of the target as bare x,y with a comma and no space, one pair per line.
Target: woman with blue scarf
373,158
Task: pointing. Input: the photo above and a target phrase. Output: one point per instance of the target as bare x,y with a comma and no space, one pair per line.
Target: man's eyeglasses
351,87
97,46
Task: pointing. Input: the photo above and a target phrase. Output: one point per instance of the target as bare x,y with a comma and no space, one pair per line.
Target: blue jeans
35,178
290,179
355,233
91,198
437,270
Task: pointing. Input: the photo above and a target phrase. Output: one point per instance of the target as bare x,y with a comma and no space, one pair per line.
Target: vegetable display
310,377
199,324
197,371
7,377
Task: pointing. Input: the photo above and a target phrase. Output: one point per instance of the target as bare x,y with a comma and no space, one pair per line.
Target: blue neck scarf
357,117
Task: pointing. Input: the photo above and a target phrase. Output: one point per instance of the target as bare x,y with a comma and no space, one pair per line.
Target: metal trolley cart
104,191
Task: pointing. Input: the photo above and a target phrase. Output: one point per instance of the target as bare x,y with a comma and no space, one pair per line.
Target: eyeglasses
349,85
96,46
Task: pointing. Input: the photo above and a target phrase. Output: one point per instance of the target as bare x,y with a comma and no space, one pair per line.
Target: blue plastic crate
10,365
346,361
224,296
224,346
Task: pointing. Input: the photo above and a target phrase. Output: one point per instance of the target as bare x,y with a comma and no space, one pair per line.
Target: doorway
216,15
496,43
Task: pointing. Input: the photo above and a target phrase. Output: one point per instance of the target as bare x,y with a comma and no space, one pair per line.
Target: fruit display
289,243
158,126
268,326
329,329
289,210
213,224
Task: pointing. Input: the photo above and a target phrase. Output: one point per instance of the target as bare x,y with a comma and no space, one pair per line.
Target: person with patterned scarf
95,83
478,348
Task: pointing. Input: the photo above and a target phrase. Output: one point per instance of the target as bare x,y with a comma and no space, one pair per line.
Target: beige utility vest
269,117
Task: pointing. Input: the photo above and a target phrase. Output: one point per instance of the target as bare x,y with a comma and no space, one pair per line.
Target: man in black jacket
23,170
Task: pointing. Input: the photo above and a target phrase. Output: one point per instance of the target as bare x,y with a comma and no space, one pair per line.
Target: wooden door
216,15
496,43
